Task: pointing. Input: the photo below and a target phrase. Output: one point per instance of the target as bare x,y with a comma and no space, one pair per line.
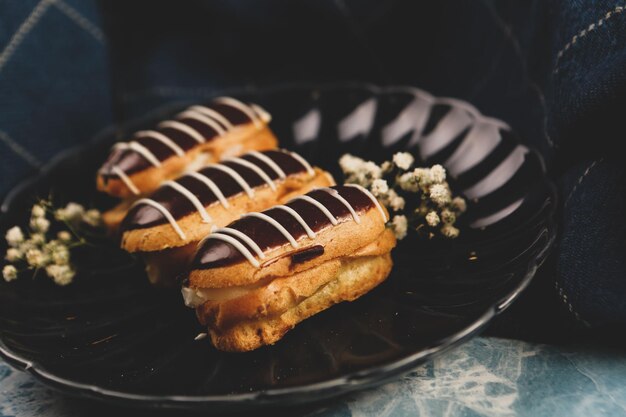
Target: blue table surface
484,377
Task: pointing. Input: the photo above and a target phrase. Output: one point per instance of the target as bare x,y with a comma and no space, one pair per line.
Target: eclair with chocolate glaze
198,135
166,226
254,280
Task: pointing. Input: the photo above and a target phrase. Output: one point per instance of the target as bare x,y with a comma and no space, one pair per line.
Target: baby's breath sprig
36,251
418,199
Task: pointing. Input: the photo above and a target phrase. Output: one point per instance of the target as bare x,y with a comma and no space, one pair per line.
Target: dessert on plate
255,279
198,135
166,226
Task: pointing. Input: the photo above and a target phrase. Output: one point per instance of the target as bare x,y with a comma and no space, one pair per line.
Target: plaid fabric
54,83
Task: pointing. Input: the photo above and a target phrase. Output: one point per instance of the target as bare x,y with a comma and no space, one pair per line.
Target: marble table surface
484,377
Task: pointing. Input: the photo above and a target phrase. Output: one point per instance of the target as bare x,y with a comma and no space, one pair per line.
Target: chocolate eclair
166,226
254,280
194,137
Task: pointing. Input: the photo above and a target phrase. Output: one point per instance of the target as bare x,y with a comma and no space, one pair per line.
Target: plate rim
323,390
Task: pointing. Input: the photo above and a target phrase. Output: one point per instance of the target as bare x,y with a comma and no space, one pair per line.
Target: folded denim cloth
554,70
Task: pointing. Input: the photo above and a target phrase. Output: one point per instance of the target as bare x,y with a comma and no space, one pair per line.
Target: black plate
111,336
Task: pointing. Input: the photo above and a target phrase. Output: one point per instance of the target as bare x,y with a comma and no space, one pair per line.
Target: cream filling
195,297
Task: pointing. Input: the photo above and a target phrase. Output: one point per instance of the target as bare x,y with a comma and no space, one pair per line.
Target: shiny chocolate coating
213,253
131,162
306,254
144,216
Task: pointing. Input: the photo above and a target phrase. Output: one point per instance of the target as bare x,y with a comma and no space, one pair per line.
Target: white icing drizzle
210,118
292,241
241,248
190,114
269,161
192,198
299,218
319,205
263,114
303,162
371,197
215,115
235,176
129,183
336,194
212,186
229,101
224,201
145,152
165,213
183,128
255,168
277,225
163,139
243,237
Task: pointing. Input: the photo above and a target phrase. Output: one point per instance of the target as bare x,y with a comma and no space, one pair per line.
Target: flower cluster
37,252
418,198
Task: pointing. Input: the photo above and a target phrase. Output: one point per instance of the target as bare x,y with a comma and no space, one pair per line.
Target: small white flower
92,217
9,273
38,211
61,274
52,245
403,160
379,187
37,239
60,255
64,236
359,171
14,254
440,194
69,213
372,170
459,204
399,224
395,201
449,231
36,258
27,245
14,236
39,224
422,176
432,219
447,216
408,182
437,173
432,202
350,163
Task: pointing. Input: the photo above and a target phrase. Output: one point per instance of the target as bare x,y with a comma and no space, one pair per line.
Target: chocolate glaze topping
130,162
144,216
233,114
214,253
306,254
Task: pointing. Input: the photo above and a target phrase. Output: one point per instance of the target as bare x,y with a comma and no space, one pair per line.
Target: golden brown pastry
166,227
196,136
255,279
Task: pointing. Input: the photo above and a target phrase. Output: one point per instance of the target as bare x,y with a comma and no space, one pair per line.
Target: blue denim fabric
553,69
592,271
54,83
